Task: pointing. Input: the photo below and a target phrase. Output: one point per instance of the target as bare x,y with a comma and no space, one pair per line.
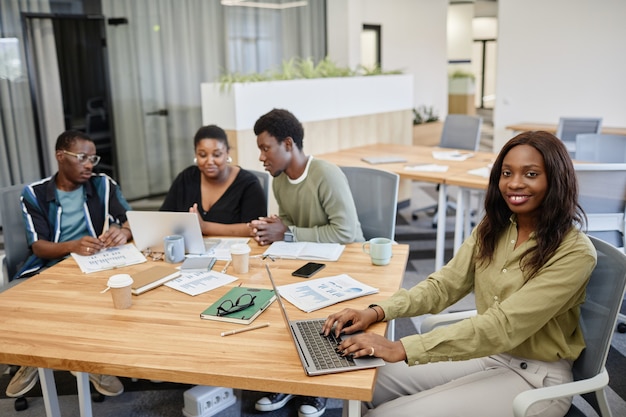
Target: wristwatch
289,237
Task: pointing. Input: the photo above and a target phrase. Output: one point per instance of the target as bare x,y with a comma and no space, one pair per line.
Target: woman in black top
225,197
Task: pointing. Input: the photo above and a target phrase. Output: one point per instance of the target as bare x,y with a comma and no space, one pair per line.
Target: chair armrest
443,319
524,400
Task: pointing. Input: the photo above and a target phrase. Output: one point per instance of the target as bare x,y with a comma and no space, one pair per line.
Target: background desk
416,155
60,320
523,127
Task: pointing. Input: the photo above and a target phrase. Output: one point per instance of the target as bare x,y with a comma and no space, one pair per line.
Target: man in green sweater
314,205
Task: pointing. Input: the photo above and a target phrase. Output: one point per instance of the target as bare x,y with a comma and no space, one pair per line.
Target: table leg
84,394
459,220
351,408
49,391
441,227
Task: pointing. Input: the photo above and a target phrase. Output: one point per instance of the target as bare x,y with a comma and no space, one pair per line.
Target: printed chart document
313,294
220,248
110,258
194,283
305,250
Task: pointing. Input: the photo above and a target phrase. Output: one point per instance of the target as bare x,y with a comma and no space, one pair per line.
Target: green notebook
240,305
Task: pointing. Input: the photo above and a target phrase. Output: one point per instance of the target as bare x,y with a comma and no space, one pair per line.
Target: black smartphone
307,270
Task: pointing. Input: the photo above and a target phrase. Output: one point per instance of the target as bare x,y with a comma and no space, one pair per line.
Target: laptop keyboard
322,348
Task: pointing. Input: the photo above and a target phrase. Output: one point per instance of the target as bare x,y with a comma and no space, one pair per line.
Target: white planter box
238,107
461,86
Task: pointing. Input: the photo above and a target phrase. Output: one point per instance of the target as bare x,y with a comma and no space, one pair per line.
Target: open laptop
317,352
150,227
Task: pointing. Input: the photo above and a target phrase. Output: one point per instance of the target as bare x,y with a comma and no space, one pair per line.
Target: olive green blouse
538,319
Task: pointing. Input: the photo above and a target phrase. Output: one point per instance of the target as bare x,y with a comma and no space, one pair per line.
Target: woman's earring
229,159
195,161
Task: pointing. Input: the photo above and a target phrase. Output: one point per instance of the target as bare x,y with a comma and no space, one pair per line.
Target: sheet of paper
220,248
427,167
313,294
110,258
481,172
452,155
194,283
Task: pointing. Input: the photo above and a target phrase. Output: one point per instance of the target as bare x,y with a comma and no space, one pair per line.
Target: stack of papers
314,294
305,250
110,258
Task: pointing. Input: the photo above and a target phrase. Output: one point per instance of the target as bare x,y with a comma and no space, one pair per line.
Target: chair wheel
621,327
414,216
96,397
21,404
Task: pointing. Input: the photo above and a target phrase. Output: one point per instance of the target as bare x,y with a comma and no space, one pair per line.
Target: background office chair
598,315
598,147
375,195
569,127
602,194
264,179
15,245
459,132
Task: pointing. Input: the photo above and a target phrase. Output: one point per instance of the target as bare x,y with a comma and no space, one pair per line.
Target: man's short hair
281,124
68,138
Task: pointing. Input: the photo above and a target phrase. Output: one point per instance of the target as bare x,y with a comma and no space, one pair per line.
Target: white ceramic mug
174,248
379,250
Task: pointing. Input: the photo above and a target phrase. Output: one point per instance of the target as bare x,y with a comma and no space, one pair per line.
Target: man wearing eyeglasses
73,211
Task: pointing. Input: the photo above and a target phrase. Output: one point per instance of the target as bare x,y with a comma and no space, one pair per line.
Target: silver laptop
317,352
150,227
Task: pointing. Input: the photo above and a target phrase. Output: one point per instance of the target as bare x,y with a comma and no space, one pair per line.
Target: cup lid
119,281
239,248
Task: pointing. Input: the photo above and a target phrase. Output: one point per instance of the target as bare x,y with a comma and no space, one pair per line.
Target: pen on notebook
247,329
226,266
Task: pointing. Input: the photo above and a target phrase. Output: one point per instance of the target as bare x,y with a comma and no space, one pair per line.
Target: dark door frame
36,90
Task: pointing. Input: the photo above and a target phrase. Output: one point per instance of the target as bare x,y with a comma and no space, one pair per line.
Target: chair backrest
598,147
602,194
375,195
569,127
264,179
599,312
15,245
461,132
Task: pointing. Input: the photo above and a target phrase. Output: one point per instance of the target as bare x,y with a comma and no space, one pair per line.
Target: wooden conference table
456,174
60,320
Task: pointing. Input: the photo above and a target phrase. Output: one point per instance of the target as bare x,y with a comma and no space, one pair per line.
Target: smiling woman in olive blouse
225,196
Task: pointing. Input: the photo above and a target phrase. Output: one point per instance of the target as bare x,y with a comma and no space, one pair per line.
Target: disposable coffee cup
240,254
379,250
120,286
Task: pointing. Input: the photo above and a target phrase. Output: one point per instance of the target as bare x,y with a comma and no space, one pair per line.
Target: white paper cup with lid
120,285
240,254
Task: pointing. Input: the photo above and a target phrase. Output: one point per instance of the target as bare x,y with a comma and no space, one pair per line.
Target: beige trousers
483,387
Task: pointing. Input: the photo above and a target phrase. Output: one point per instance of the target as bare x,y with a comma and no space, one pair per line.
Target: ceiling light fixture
262,5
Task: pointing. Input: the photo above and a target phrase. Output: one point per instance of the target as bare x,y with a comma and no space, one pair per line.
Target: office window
259,39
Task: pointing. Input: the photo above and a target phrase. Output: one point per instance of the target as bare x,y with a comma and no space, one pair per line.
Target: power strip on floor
206,401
